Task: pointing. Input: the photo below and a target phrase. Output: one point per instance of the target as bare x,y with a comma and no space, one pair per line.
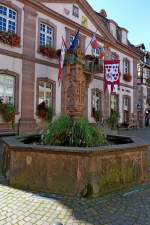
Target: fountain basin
75,171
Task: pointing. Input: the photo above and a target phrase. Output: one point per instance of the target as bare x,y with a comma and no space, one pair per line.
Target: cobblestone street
131,207
19,208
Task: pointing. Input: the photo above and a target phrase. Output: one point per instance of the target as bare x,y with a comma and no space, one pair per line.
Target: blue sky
134,15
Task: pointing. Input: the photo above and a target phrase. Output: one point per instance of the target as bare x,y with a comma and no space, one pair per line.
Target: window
75,12
46,35
8,19
126,66
126,109
96,101
96,52
45,92
148,73
7,88
114,103
126,102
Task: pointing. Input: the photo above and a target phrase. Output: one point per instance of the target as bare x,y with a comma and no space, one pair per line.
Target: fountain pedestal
74,88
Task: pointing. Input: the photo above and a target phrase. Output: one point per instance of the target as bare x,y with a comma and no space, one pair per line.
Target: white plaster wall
61,32
123,91
43,71
121,57
57,7
14,65
16,49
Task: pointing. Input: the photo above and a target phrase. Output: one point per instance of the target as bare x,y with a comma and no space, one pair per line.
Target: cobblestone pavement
22,208
126,208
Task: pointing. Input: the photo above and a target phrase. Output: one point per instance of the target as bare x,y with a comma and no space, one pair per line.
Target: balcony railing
90,64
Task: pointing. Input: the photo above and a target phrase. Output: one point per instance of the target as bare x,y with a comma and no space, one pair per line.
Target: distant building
143,104
28,73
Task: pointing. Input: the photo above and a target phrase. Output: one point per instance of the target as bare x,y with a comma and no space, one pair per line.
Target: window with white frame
46,35
96,101
45,92
126,66
96,52
126,103
114,103
8,19
7,88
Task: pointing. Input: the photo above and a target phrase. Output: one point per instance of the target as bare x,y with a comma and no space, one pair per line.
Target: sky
134,15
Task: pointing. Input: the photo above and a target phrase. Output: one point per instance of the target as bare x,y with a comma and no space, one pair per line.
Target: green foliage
113,120
8,112
49,114
97,116
66,131
45,112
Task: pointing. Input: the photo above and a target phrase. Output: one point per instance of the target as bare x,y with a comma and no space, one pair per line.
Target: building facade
144,87
29,73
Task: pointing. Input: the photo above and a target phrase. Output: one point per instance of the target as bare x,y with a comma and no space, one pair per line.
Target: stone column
27,122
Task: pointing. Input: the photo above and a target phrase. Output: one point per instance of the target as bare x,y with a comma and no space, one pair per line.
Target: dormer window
113,27
124,35
8,19
126,66
46,35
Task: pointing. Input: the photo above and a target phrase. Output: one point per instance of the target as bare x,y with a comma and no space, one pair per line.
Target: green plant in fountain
66,131
49,114
113,120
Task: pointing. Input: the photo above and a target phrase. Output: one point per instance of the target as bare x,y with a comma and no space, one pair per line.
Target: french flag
94,43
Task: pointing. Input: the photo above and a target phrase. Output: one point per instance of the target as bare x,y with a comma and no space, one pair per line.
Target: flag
74,44
61,60
111,75
94,43
106,53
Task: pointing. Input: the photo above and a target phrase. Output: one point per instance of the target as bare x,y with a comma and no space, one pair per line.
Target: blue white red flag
74,44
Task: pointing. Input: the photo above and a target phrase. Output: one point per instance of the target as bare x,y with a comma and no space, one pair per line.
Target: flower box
9,38
127,77
48,51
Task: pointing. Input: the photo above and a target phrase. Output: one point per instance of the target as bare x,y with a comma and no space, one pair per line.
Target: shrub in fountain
113,120
66,131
